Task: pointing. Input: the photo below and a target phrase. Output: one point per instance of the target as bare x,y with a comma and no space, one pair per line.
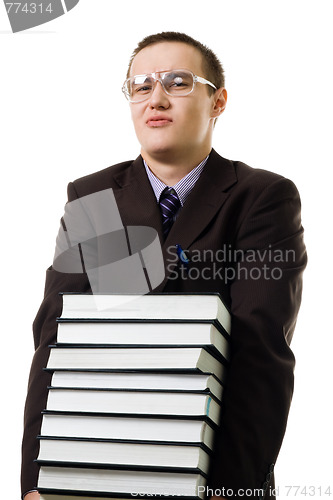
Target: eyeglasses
177,83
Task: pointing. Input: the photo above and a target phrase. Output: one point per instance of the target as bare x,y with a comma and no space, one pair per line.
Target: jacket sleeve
265,299
44,331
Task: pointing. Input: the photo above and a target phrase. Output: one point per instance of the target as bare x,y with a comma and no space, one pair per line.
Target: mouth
158,122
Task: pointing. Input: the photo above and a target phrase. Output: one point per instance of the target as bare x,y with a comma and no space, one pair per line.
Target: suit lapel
136,199
205,200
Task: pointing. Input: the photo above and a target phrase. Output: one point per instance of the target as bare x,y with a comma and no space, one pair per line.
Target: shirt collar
182,187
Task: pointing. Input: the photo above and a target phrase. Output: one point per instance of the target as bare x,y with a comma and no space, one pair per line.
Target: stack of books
135,396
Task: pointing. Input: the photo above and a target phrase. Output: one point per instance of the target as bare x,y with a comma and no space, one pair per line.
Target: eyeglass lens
174,83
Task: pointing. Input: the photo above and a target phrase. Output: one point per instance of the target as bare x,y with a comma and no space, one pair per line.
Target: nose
158,98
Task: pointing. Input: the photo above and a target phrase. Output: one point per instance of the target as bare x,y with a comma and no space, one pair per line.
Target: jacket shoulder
257,180
240,177
244,173
97,181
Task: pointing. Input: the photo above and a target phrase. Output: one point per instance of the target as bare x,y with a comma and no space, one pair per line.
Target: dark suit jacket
232,207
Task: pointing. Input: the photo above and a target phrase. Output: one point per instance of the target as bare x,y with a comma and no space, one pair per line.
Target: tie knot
169,204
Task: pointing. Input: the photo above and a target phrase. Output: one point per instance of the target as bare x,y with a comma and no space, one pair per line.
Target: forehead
167,55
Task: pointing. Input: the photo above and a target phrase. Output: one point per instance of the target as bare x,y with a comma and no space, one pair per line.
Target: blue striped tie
169,204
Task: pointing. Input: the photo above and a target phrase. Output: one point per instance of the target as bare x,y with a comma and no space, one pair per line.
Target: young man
241,231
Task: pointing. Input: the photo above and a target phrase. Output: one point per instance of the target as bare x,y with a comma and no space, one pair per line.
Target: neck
172,168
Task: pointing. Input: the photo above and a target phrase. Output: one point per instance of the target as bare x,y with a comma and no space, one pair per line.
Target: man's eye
142,89
179,82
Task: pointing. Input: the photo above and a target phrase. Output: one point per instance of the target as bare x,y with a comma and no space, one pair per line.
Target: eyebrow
162,71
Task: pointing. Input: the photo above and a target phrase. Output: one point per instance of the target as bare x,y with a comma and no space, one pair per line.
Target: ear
219,102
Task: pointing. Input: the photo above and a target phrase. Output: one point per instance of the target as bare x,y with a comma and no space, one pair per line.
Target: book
128,427
128,453
119,482
116,332
148,307
134,402
142,358
135,397
65,496
139,380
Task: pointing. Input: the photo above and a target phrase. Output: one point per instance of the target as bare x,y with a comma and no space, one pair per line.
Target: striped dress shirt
182,187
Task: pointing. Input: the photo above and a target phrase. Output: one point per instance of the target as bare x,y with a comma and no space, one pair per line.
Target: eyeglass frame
196,79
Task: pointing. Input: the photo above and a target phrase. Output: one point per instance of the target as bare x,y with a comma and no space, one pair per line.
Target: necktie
169,204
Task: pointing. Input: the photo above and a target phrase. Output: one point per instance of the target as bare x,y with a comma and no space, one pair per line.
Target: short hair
212,66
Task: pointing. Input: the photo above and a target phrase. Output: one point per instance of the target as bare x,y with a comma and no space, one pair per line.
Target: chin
159,148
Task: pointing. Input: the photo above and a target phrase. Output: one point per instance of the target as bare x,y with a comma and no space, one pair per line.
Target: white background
62,116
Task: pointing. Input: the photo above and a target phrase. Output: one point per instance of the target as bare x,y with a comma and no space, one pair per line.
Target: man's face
172,126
